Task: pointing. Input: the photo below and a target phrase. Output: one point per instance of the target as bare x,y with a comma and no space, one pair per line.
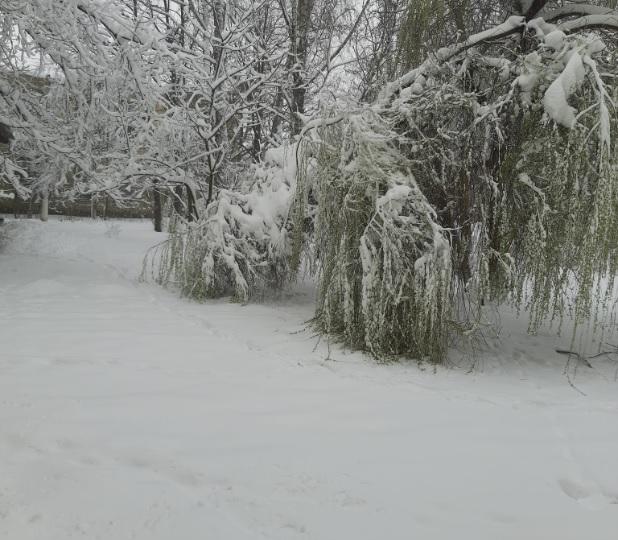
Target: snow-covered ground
128,413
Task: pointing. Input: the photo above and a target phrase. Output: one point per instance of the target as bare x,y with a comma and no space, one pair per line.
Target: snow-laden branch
607,21
574,10
555,99
510,26
597,18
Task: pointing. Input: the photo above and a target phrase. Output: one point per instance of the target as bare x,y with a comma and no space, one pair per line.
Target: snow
575,8
272,193
556,96
555,40
242,234
129,413
528,80
418,78
608,21
605,135
541,28
499,30
393,201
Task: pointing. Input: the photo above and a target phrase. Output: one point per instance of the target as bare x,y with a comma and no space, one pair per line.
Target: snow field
128,413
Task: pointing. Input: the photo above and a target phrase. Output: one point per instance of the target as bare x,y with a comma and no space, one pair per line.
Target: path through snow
127,413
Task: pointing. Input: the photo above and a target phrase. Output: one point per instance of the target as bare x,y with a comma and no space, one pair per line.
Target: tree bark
44,207
192,210
157,213
16,201
300,25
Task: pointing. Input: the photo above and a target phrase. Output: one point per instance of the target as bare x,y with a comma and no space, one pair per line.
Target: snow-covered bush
488,173
240,245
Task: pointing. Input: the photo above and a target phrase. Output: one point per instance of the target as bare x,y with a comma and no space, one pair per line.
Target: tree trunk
302,11
45,206
192,210
157,213
16,202
256,146
219,14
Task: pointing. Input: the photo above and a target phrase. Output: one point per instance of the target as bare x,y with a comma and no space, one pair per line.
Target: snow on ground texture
128,413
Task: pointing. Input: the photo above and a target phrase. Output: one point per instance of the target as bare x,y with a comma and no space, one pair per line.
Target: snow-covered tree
144,95
486,173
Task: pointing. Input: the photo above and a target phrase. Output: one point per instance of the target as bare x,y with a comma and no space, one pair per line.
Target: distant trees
166,96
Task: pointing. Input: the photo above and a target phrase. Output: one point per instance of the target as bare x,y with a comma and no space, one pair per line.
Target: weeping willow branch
481,179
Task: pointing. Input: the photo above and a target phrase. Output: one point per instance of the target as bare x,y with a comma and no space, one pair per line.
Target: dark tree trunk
6,135
157,213
256,146
192,210
299,40
16,204
535,7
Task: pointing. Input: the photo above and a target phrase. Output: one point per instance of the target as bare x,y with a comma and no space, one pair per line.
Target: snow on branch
508,27
574,10
607,21
556,97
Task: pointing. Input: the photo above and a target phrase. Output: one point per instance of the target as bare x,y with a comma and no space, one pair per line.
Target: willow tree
487,173
430,24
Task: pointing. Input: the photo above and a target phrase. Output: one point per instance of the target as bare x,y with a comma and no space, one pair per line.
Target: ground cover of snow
129,413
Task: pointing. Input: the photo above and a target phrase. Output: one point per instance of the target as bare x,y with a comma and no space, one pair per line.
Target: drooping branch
574,10
511,26
602,22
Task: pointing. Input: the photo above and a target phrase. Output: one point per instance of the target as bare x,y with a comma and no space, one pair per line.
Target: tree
145,95
488,172
485,171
